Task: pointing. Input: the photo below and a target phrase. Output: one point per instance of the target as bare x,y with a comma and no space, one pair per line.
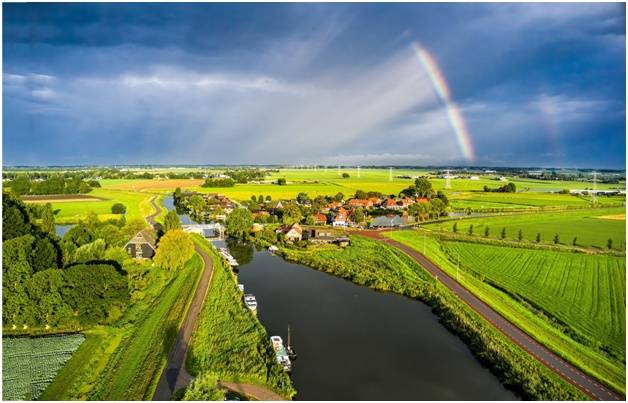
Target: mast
288,335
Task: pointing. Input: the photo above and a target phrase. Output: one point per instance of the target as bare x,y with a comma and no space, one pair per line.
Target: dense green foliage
229,342
30,364
218,183
53,185
118,208
172,221
380,267
175,248
205,387
239,223
584,292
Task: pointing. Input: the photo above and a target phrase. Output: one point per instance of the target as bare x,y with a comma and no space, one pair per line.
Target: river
357,344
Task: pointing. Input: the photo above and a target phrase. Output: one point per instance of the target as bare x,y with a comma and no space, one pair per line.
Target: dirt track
568,372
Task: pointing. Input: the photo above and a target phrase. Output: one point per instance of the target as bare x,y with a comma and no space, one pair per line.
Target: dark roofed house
142,245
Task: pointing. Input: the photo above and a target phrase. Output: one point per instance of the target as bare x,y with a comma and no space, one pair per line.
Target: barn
142,245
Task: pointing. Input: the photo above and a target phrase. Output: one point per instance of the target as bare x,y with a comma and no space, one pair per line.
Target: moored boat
250,302
281,353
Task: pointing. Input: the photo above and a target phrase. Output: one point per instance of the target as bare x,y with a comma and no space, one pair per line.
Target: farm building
388,221
142,245
292,233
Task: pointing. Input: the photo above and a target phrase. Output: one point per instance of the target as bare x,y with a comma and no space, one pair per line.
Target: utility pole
594,194
390,174
338,169
447,180
325,168
358,171
458,268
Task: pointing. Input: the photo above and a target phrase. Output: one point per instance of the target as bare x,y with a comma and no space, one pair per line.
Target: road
568,372
174,375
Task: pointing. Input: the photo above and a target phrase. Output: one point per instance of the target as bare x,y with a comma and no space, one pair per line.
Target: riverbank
229,344
382,268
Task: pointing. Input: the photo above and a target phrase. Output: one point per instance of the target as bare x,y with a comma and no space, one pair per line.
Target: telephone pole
390,174
447,180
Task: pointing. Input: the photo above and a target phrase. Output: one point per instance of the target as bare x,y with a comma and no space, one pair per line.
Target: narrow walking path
255,391
567,371
174,375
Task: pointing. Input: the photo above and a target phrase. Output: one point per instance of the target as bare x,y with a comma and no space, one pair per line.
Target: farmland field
590,358
587,225
586,292
30,364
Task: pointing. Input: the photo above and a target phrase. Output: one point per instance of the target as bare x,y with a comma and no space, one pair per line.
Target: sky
353,84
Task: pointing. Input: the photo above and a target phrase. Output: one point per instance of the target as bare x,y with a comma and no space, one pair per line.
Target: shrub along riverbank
229,343
383,268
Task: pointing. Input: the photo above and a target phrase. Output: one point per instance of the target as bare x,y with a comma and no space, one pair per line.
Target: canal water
61,229
357,344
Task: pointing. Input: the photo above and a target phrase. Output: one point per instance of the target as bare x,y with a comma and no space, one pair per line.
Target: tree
175,249
470,232
556,239
503,234
171,221
260,199
455,228
339,197
345,175
520,236
609,243
486,231
575,241
358,215
48,219
253,199
538,237
302,197
21,185
281,181
437,206
291,214
423,187
268,198
441,195
360,194
239,223
91,251
118,208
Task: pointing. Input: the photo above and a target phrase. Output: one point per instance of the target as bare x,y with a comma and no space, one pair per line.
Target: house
405,202
142,245
320,218
360,203
422,200
292,233
391,204
375,200
321,236
340,218
387,221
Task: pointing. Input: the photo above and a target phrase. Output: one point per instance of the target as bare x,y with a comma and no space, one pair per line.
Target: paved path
174,375
571,374
255,391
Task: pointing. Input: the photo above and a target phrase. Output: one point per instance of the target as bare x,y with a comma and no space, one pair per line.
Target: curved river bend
357,344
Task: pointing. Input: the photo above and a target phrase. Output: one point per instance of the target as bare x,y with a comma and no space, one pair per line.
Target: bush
118,208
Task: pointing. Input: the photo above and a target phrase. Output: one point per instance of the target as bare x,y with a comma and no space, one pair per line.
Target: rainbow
442,89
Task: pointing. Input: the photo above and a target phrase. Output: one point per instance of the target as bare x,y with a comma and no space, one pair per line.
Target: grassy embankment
383,268
124,362
589,226
229,343
516,304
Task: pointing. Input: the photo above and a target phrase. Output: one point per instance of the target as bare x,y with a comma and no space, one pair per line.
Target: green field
586,292
137,205
585,224
229,341
30,364
592,359
134,370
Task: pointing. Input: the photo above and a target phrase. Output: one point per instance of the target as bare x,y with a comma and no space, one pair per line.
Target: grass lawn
586,224
137,204
611,371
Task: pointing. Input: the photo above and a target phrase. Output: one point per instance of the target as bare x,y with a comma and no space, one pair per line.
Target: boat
291,353
281,353
241,287
224,252
250,302
273,249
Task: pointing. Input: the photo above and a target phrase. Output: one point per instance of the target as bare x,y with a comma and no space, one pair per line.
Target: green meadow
590,227
600,290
